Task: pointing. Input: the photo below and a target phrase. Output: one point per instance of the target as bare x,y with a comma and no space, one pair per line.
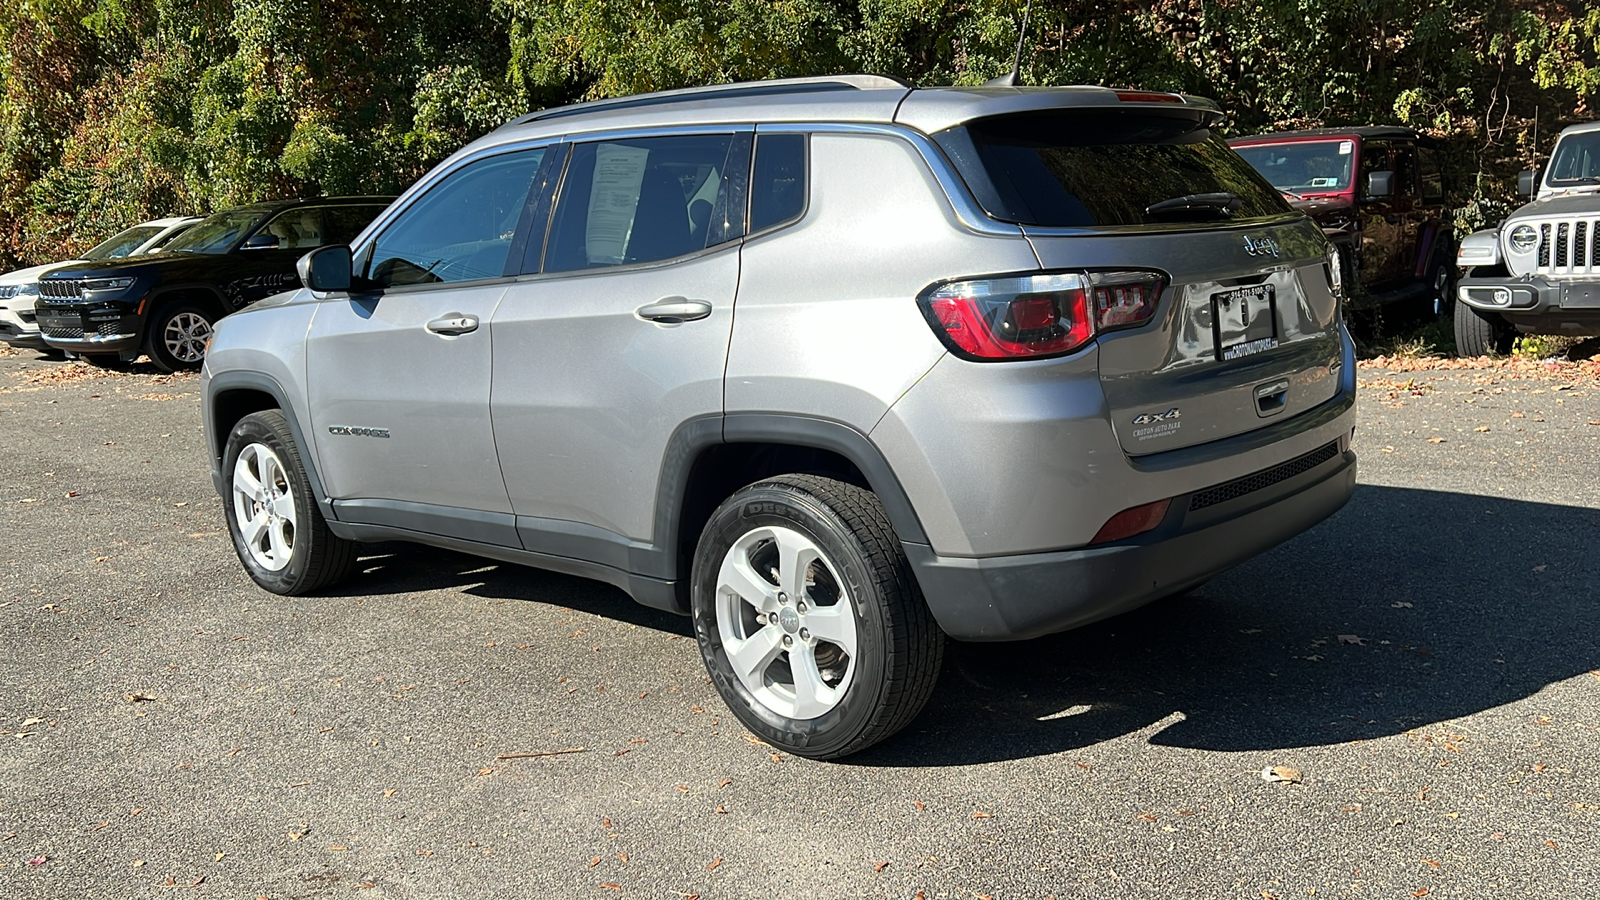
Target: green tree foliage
116,110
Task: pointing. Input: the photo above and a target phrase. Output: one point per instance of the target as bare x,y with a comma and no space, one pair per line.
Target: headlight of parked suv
107,284
1523,239
7,291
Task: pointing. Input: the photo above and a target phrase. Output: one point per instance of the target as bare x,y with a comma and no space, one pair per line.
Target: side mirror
326,269
1380,184
261,241
1527,182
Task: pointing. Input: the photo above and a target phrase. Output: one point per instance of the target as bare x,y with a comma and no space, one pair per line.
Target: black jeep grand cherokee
165,304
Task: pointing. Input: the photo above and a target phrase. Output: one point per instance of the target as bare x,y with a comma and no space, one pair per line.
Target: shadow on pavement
1451,603
1460,603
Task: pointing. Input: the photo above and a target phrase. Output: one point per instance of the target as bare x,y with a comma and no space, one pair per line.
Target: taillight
1033,316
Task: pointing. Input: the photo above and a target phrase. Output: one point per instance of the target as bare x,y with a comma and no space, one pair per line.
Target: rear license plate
1244,321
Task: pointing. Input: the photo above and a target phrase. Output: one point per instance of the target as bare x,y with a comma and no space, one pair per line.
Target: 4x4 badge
1260,246
1152,418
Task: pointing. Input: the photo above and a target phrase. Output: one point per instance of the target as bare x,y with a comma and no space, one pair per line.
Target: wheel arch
230,396
203,293
708,459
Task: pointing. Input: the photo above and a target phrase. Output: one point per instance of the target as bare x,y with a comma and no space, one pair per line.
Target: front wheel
808,617
1481,333
178,336
277,529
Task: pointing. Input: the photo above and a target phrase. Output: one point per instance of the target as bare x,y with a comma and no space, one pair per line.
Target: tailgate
1247,332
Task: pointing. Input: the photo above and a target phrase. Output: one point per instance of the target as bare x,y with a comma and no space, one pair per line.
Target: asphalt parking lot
1426,660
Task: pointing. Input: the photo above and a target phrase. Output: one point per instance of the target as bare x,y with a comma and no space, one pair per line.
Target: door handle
674,310
454,324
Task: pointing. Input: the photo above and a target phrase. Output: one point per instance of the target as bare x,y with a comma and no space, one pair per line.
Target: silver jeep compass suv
836,366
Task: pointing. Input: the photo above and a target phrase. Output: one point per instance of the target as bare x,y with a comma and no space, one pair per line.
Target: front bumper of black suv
102,328
1536,303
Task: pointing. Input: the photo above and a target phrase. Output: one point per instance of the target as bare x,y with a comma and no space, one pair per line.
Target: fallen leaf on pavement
594,862
1401,604
132,697
1480,430
879,867
1283,774
713,864
610,885
982,815
1352,639
722,809
41,860
1436,440
1540,568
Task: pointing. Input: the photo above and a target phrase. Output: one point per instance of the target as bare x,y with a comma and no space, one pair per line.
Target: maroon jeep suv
1379,196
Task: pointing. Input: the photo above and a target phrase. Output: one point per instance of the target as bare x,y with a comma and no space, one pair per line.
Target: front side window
1375,157
1432,178
644,200
461,229
123,243
219,233
343,223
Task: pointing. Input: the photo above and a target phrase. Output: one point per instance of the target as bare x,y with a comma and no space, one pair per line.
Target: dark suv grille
1266,478
64,289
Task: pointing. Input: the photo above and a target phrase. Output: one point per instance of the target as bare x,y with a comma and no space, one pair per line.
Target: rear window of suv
1106,168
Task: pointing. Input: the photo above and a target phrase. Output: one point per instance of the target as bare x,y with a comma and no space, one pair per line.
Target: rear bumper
1027,595
1535,302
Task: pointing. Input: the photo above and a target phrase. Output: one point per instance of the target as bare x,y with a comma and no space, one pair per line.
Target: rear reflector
1133,521
1034,316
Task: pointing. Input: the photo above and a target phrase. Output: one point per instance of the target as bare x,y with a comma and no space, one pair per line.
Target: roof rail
776,86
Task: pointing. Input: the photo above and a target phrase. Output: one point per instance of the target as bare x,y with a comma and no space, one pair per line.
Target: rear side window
1106,168
343,223
644,200
778,184
296,229
462,228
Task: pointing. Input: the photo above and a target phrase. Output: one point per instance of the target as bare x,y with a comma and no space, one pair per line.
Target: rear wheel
1480,333
808,617
178,335
277,529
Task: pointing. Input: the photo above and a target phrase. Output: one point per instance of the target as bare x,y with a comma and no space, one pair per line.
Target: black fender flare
223,382
696,435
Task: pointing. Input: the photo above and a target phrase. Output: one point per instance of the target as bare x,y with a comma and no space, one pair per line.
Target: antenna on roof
1010,78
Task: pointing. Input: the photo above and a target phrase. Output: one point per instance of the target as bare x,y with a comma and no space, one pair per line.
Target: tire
848,580
177,335
1481,334
1441,287
292,552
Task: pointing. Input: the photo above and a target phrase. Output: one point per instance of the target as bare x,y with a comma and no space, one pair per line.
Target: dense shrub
116,110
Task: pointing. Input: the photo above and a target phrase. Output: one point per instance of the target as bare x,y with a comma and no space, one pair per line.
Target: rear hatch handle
1272,397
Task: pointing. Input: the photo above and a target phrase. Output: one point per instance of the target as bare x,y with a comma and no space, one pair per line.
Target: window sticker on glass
618,177
1346,147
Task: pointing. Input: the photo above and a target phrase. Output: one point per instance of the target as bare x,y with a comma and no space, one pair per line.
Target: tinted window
1303,167
778,184
1404,159
1104,168
1577,159
1374,158
123,243
462,228
1432,178
643,200
295,229
218,233
343,223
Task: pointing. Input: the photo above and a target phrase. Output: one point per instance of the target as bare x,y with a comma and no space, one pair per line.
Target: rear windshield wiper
1219,205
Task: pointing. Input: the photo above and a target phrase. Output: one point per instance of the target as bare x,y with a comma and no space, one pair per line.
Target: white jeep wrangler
1539,271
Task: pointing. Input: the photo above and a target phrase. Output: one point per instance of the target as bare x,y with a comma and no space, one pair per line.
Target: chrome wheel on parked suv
808,617
179,335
